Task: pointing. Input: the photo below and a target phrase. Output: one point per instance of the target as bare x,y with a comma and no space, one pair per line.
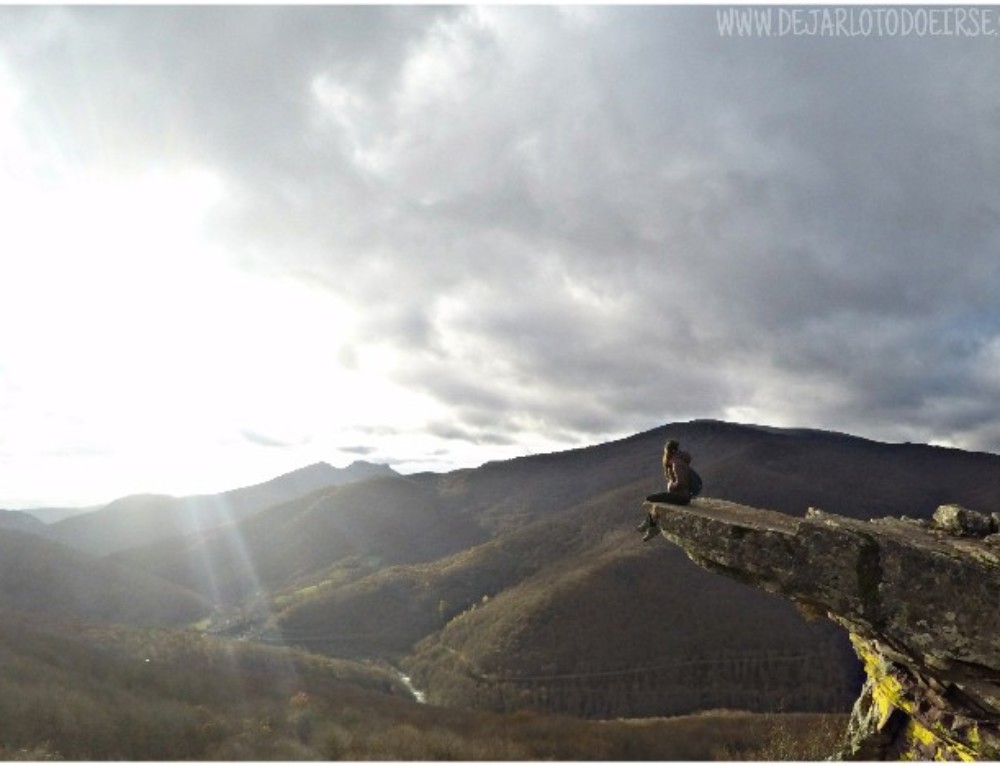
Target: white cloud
444,235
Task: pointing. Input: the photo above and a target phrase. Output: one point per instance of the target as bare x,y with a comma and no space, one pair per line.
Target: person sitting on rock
677,471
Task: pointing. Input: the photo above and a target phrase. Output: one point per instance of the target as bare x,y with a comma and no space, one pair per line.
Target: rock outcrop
921,600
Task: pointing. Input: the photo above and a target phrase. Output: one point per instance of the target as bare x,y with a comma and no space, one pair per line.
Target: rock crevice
920,599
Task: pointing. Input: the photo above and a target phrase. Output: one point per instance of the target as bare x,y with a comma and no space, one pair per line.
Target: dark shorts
673,498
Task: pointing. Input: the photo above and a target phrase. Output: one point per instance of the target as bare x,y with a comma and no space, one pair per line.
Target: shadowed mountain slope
363,526
141,519
789,470
37,575
785,470
523,583
567,615
20,521
553,572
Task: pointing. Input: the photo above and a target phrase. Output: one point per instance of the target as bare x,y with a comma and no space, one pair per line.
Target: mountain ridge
137,520
468,579
517,547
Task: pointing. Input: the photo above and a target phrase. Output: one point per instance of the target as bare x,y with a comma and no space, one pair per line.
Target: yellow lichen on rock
886,691
917,740
927,745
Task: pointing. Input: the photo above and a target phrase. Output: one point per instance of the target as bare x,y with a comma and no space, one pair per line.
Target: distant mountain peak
322,467
138,520
370,464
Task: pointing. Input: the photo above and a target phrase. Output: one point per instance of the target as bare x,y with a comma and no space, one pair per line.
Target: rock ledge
920,599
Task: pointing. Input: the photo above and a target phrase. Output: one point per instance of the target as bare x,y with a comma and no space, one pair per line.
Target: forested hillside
523,583
93,691
37,575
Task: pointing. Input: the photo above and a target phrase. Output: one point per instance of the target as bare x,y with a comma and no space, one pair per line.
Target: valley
517,597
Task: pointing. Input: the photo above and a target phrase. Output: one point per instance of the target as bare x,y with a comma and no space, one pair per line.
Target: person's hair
672,445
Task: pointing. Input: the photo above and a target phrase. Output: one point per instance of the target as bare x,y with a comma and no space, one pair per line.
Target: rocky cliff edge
920,599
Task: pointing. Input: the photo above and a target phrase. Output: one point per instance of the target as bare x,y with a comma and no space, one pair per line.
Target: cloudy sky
235,241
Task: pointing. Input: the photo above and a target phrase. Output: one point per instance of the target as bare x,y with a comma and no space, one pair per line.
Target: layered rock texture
920,599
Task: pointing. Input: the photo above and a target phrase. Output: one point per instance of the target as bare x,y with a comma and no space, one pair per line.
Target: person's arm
669,474
681,481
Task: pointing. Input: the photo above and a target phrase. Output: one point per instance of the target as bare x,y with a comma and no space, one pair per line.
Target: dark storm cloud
588,220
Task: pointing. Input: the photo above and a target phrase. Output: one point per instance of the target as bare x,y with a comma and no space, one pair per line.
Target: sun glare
127,327
133,338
